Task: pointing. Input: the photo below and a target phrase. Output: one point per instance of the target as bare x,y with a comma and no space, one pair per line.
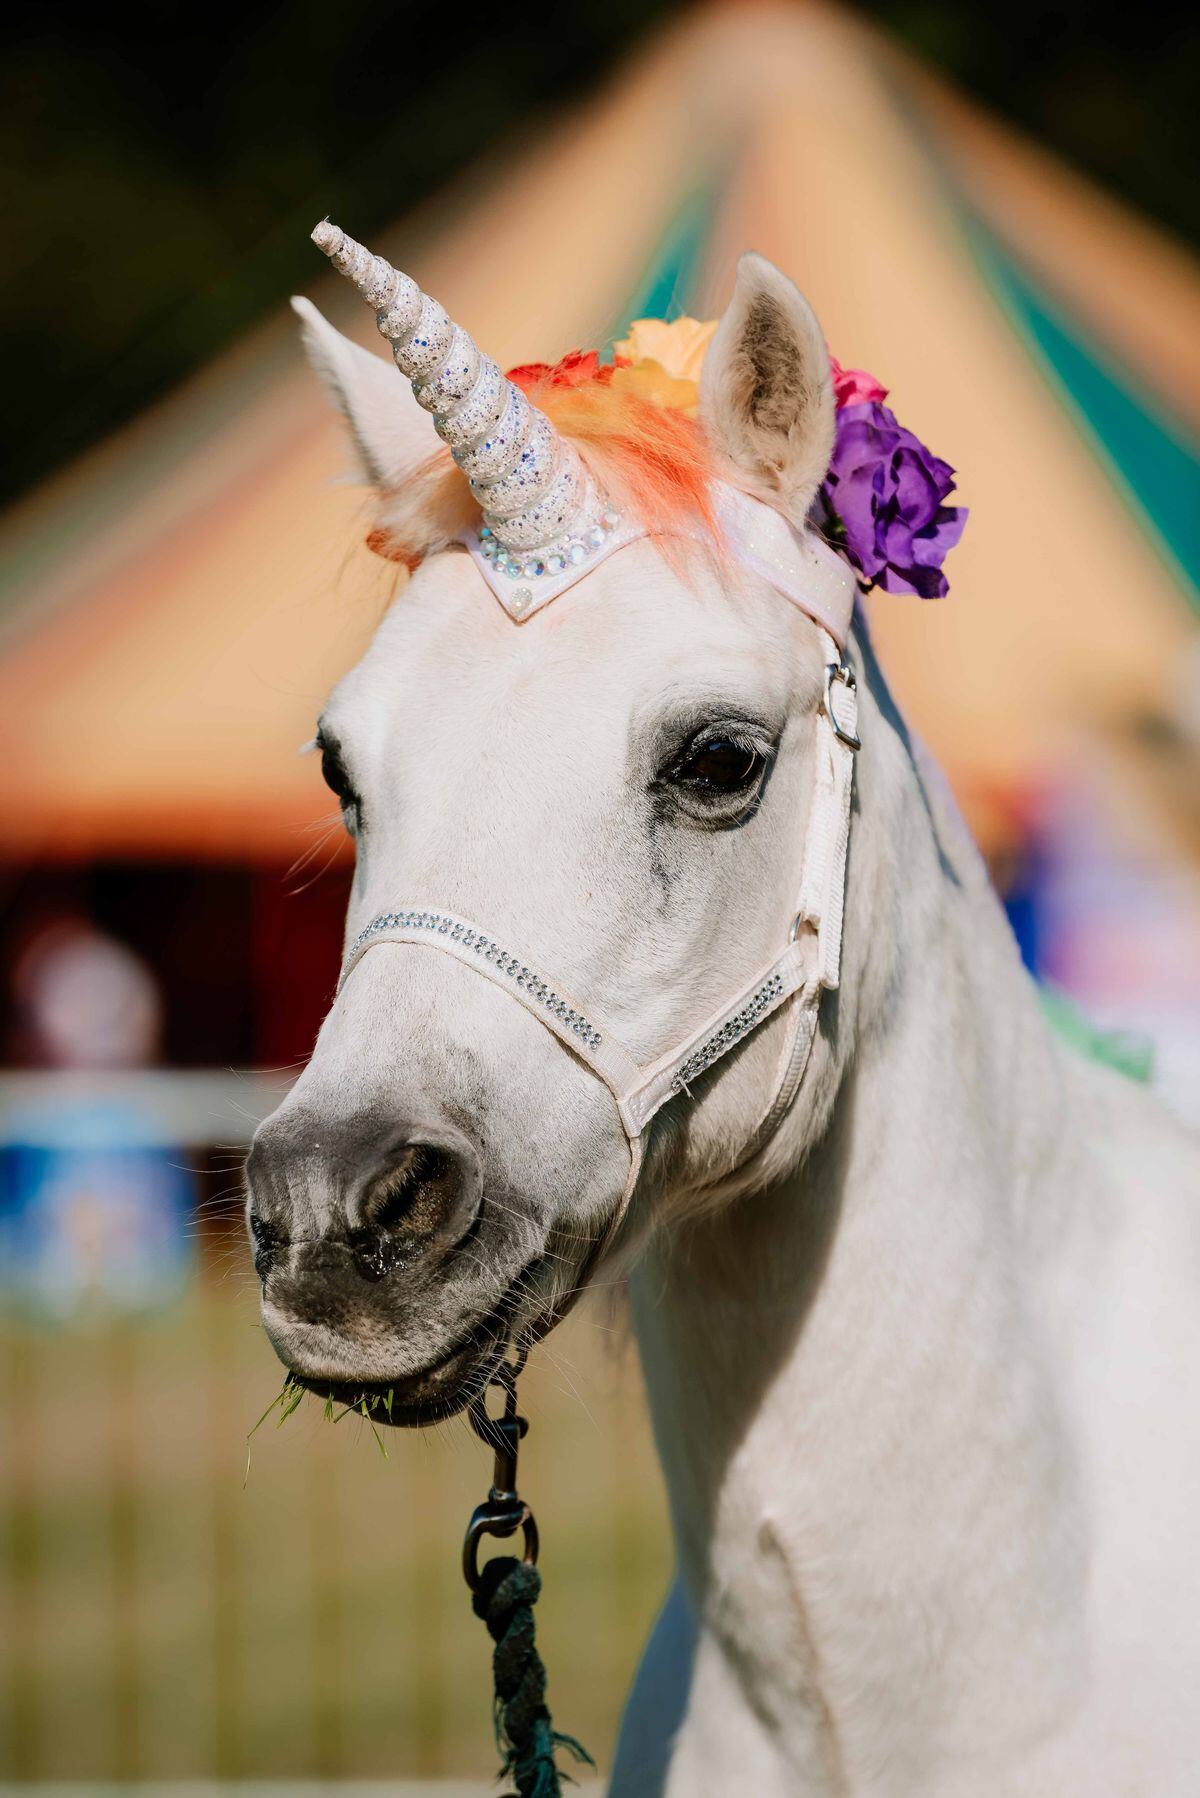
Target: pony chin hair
766,397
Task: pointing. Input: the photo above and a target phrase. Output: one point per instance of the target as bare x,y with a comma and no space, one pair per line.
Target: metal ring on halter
843,673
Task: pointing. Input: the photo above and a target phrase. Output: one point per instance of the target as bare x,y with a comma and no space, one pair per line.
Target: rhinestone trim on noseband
438,924
730,1032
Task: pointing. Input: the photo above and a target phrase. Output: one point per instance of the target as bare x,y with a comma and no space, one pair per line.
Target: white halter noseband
817,581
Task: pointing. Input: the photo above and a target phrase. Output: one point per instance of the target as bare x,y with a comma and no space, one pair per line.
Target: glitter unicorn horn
540,508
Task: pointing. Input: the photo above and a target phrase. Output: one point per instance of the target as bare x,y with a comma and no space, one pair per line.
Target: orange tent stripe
184,601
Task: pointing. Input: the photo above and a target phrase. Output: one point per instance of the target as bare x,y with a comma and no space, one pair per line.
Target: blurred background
995,212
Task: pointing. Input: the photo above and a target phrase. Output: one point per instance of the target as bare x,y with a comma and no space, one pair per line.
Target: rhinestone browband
794,562
570,551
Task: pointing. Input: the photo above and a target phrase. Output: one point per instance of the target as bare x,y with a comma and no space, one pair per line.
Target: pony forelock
653,462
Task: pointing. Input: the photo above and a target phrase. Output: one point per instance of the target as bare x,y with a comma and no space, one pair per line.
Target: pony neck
849,1391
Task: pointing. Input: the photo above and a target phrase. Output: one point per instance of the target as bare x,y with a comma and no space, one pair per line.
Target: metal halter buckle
840,671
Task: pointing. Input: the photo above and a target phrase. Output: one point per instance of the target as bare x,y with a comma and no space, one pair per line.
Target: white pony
915,1289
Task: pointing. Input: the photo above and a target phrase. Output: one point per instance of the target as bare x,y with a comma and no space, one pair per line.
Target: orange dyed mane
653,461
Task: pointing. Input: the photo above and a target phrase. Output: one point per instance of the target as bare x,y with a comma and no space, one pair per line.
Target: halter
812,577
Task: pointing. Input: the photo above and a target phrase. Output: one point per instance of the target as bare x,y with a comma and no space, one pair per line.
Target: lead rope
503,1594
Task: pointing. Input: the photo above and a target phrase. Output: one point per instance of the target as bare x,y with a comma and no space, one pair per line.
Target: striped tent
178,604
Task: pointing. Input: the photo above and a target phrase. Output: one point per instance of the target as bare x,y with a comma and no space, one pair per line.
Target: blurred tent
179,604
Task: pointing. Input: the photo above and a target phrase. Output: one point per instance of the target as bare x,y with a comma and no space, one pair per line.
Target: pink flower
854,386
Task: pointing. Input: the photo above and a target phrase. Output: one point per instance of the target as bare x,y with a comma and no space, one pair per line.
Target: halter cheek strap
808,962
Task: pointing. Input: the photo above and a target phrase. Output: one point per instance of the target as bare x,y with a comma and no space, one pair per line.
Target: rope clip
503,1512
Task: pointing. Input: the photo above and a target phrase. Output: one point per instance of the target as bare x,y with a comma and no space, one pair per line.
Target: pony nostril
377,1254
404,1208
408,1190
267,1243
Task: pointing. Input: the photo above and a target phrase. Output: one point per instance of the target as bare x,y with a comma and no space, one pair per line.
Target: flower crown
882,502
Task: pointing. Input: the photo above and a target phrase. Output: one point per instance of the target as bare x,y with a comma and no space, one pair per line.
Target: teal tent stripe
1155,466
668,286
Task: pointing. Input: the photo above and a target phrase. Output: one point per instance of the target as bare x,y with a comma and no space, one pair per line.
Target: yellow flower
650,381
678,347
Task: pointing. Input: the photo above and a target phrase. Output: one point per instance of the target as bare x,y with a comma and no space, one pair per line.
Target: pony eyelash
733,730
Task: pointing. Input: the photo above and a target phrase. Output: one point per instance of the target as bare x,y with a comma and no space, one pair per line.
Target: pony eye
721,765
335,777
337,780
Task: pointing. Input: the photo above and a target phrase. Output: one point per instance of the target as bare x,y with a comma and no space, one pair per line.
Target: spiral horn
538,502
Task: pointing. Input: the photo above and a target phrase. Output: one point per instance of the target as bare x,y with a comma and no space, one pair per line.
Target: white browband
808,963
797,563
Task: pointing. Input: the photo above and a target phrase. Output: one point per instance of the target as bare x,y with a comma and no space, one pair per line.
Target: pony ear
392,435
766,399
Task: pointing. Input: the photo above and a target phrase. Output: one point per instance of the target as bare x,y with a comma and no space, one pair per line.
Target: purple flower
883,499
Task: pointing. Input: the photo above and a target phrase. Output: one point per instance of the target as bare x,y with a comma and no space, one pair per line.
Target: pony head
579,760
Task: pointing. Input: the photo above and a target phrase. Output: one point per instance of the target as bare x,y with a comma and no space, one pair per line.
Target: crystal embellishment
435,923
730,1032
554,559
531,484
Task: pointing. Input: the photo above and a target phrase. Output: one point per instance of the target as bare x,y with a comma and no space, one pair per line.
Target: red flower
576,369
